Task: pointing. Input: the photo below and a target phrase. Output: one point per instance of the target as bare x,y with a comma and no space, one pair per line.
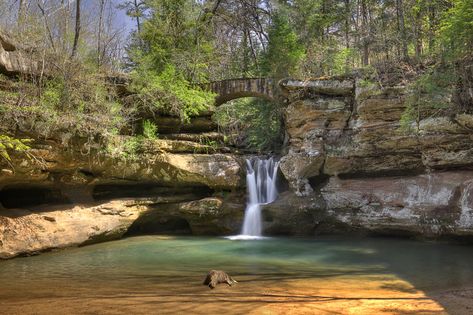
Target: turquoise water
140,261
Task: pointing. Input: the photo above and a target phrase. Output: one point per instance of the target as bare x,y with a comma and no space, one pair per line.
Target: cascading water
261,177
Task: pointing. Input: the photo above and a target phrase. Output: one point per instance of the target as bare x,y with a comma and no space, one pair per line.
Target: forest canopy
168,47
220,39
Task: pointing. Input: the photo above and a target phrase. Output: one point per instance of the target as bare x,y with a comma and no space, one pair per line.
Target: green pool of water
140,261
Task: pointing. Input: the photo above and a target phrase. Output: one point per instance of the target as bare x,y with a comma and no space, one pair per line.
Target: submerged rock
215,277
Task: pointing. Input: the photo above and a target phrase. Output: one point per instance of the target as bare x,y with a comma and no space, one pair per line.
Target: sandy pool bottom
360,294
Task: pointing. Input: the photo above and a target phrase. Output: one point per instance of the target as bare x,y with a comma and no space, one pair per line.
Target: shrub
169,92
430,96
149,129
8,144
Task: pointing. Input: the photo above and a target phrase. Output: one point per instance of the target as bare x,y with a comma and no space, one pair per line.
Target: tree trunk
432,23
418,30
99,34
365,32
77,29
21,12
384,23
402,29
46,25
138,23
347,33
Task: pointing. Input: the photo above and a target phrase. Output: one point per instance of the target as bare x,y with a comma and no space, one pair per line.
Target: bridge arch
231,89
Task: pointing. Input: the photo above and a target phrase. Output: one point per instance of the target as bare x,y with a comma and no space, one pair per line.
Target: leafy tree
457,28
284,53
251,123
174,59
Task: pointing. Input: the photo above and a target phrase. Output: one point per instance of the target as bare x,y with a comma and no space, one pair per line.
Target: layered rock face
61,198
58,197
347,150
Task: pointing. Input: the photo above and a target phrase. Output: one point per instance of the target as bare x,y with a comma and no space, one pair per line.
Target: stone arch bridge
231,89
267,88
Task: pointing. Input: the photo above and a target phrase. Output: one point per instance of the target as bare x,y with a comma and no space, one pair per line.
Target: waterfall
261,177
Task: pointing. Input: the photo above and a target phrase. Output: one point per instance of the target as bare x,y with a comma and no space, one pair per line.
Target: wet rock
207,216
293,215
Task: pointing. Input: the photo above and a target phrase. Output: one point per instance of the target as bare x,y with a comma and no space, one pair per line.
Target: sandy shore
375,294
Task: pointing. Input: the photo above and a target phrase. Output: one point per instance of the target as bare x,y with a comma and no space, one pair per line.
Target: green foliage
176,55
211,146
340,63
285,53
252,123
430,96
457,28
149,130
52,94
124,148
8,143
79,105
170,92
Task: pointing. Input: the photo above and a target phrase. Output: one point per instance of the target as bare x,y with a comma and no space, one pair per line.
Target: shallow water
160,269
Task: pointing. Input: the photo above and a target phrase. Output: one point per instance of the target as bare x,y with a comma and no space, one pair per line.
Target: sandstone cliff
354,168
348,164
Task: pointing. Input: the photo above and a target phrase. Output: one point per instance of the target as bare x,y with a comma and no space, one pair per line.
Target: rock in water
215,277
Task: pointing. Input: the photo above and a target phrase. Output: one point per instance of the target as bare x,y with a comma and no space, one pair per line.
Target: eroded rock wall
58,196
347,151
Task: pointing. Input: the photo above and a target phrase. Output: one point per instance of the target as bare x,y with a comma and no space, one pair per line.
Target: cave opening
144,190
152,225
23,196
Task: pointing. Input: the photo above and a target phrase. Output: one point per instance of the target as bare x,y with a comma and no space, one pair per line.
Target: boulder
293,215
14,59
23,232
207,216
298,167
